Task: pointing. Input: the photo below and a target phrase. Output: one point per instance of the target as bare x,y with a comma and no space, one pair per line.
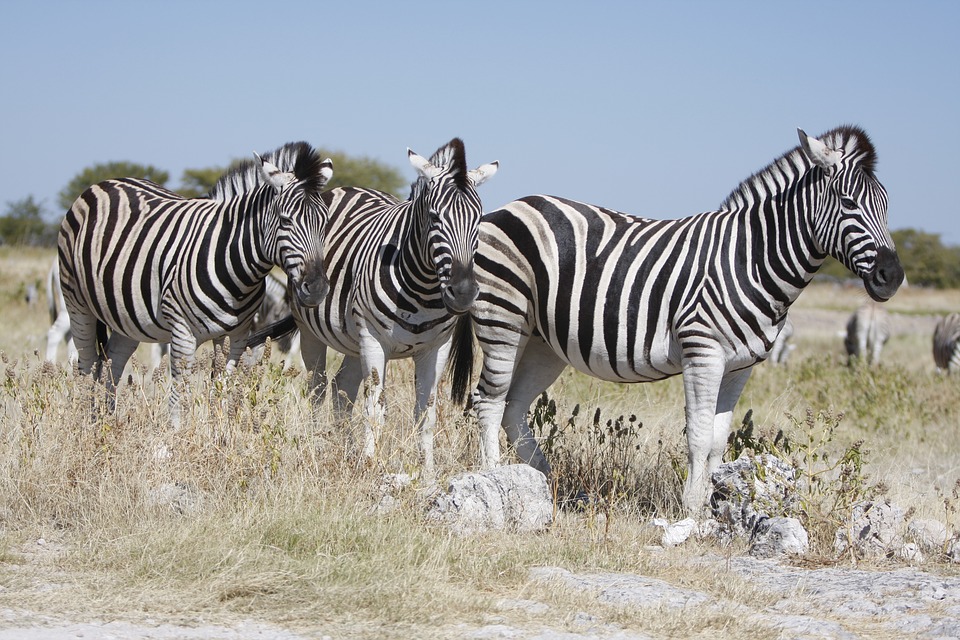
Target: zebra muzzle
886,277
312,288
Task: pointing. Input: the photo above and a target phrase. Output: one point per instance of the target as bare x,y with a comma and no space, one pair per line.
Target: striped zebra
868,329
153,266
59,330
946,343
630,299
275,305
400,273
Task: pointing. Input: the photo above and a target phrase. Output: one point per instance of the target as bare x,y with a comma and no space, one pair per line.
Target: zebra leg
346,385
314,353
373,362
183,353
538,368
730,389
702,379
58,332
119,350
428,369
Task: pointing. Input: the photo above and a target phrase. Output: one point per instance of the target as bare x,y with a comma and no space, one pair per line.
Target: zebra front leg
183,352
428,369
373,362
702,376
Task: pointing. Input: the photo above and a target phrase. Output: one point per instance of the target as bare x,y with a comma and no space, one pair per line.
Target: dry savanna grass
257,505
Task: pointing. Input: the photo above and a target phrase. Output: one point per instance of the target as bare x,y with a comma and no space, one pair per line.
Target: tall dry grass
258,504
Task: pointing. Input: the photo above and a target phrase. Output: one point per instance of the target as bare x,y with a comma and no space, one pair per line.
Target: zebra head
301,217
850,219
446,191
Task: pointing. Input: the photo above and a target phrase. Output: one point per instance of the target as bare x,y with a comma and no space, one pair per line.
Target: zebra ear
483,173
819,153
422,165
326,171
277,179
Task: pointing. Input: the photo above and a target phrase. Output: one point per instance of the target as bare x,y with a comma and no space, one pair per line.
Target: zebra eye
848,203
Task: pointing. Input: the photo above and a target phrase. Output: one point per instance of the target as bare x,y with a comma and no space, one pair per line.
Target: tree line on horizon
927,260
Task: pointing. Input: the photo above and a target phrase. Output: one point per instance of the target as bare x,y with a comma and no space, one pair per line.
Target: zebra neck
780,241
415,252
256,231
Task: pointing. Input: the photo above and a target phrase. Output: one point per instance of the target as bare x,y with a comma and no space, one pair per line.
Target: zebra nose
461,289
312,288
886,277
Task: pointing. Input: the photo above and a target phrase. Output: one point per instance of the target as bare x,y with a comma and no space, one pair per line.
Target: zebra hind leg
119,350
538,368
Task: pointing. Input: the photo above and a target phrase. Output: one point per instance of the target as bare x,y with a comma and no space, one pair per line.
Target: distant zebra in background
156,267
946,343
781,346
59,317
630,299
868,329
400,273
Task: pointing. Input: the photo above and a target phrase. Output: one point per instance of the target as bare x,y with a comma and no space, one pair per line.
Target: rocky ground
822,602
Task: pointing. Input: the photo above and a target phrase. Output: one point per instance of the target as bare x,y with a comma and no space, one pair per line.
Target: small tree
106,171
23,224
361,171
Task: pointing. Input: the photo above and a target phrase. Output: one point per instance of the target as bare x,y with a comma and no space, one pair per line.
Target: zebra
400,272
946,343
781,348
868,329
59,330
154,266
630,299
275,305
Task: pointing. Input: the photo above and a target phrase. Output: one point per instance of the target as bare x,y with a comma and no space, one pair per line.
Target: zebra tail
282,327
461,359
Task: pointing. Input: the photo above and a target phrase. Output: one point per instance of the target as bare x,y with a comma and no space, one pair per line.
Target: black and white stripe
400,272
946,343
630,299
152,266
868,329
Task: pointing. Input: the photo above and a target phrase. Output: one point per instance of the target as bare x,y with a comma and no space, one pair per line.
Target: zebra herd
540,284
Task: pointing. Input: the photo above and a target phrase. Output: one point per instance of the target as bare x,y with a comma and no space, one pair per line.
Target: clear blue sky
657,109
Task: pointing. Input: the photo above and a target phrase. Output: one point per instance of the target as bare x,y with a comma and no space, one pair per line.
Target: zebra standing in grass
946,343
868,329
630,299
156,267
400,272
59,317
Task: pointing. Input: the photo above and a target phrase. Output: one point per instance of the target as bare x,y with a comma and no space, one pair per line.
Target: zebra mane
857,149
298,158
453,156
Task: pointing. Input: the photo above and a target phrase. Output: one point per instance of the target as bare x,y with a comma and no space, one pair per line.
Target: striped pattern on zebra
868,329
275,305
153,266
630,299
946,343
399,274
